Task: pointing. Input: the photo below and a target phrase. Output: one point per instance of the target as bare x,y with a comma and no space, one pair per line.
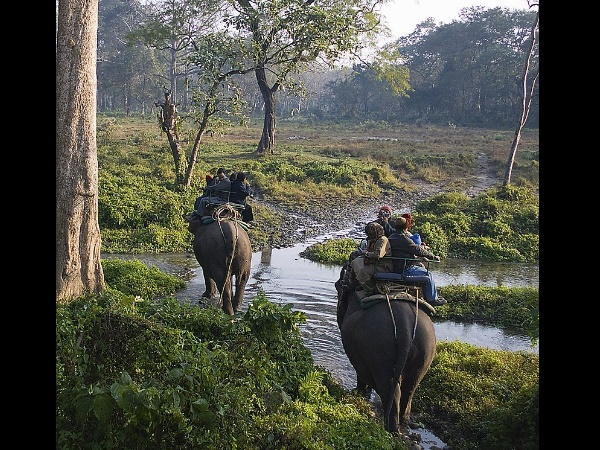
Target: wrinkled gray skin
214,249
393,367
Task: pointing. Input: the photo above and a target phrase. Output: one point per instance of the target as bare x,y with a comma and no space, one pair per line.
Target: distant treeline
467,72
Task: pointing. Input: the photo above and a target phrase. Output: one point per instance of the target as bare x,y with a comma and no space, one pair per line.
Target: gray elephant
224,252
390,345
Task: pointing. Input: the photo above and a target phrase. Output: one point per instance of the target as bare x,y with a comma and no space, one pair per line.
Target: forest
467,72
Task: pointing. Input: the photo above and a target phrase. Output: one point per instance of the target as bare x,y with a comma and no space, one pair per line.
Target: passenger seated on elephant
371,261
218,194
415,237
240,190
404,247
210,180
383,218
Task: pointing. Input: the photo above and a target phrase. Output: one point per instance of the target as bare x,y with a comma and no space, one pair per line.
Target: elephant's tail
399,365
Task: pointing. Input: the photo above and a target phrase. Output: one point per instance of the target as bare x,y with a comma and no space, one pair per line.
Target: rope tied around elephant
227,212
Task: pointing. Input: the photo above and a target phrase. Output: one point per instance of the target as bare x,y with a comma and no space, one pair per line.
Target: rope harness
227,212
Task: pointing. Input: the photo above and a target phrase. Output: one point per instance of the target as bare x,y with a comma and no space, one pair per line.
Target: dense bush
476,398
133,374
136,278
500,224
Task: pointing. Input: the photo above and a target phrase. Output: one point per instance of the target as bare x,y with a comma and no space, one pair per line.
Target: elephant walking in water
391,345
224,252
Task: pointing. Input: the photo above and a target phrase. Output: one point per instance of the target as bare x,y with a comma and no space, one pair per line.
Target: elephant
223,250
391,345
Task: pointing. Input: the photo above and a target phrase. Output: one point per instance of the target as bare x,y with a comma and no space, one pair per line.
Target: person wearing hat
404,247
370,261
383,218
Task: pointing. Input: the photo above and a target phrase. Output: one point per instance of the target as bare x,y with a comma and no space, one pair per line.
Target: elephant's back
366,332
227,235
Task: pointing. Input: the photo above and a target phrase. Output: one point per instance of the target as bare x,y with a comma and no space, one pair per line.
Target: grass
332,161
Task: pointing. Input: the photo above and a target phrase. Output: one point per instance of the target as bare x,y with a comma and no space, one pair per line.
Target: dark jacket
219,192
404,247
388,228
239,192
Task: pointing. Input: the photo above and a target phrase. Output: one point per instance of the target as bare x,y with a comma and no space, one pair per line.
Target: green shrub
134,374
333,251
135,278
514,308
476,398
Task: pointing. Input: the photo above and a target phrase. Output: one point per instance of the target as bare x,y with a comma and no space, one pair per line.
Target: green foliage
156,374
325,424
136,202
441,204
513,308
479,398
435,237
484,248
332,251
135,278
500,224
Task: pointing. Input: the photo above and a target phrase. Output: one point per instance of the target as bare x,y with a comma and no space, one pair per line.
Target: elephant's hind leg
226,304
240,288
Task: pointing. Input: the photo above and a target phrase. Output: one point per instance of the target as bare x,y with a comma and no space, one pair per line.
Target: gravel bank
324,217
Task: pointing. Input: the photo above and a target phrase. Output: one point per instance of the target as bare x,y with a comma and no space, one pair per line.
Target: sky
401,16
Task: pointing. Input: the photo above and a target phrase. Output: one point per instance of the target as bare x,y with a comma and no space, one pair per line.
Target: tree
126,73
173,26
528,90
78,268
288,35
465,71
170,27
218,58
215,99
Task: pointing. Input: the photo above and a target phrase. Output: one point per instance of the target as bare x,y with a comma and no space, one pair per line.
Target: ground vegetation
330,174
132,372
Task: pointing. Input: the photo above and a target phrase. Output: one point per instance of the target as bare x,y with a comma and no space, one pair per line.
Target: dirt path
485,178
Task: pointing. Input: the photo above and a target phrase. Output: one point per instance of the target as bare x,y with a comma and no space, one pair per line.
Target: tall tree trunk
267,140
78,268
526,105
168,124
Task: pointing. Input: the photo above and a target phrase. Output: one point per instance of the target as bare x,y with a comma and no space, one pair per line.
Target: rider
217,192
404,247
370,261
383,218
240,189
416,237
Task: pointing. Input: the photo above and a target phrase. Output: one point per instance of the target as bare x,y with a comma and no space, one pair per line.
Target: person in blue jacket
404,247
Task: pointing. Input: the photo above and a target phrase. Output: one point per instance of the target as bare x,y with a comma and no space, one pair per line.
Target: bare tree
78,268
528,90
